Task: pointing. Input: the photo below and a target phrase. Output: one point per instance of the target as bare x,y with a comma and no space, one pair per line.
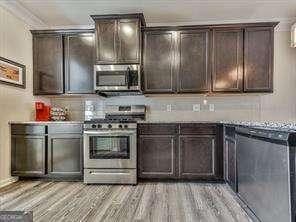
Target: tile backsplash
172,108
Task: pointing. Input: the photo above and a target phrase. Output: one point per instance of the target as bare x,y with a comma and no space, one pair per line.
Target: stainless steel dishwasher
264,173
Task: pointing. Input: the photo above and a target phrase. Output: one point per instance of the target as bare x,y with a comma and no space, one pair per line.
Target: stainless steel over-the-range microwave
117,78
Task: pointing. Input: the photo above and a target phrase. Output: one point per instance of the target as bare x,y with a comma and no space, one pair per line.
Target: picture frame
12,73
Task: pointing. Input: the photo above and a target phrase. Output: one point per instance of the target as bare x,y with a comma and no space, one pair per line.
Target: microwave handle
128,77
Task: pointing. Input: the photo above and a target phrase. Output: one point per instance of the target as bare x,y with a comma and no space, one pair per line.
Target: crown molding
18,10
284,25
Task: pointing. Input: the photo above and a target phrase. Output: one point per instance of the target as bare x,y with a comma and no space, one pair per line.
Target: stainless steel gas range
110,146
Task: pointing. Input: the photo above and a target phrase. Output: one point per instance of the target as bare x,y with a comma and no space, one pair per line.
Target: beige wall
280,106
15,103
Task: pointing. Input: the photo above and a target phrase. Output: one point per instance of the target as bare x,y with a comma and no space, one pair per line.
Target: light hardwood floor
149,201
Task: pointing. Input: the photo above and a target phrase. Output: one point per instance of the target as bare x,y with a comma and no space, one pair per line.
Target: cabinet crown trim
212,26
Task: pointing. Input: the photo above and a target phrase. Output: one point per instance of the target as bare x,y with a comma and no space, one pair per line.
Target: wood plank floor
149,201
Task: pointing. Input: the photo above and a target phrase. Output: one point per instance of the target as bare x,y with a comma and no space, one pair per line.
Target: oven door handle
126,132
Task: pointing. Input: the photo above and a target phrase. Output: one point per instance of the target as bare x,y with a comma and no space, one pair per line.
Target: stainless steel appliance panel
110,176
263,177
110,78
101,161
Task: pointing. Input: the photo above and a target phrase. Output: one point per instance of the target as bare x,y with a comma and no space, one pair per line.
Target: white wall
279,106
15,103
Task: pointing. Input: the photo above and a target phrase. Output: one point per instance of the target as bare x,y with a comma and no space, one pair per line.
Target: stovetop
110,121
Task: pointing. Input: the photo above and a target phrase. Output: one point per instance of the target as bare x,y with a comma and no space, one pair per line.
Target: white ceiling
66,13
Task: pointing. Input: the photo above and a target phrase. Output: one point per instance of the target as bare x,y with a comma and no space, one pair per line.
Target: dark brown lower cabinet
230,163
27,155
197,156
48,151
191,152
157,156
64,156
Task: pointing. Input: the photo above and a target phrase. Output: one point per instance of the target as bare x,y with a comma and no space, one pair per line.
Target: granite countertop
278,126
46,122
176,122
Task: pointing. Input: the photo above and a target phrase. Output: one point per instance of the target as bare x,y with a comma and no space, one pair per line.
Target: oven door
110,149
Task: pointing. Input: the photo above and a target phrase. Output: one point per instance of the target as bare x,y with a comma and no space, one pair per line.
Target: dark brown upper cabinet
63,61
79,61
227,63
192,63
176,61
258,56
231,58
159,62
48,64
118,38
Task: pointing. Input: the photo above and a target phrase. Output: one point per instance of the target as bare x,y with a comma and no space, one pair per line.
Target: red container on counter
42,112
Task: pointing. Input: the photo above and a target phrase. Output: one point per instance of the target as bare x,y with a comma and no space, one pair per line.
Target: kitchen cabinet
193,61
106,41
157,156
197,156
234,58
79,62
230,157
179,151
227,66
65,155
176,62
63,55
28,155
158,64
52,151
118,38
64,150
48,64
258,59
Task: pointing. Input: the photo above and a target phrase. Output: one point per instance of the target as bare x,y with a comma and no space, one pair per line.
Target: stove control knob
99,126
120,126
109,126
125,126
93,126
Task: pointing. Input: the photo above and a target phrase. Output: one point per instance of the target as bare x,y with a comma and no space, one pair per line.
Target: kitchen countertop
285,127
45,122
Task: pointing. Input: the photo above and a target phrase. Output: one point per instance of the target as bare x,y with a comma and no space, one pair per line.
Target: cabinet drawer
198,128
23,129
64,128
158,129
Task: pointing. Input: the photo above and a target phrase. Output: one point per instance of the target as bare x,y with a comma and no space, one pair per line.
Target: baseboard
8,181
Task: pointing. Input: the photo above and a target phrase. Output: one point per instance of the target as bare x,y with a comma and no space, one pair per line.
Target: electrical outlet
169,108
196,107
212,107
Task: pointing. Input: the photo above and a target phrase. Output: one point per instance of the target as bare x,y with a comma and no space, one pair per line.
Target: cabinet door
129,41
193,61
159,62
227,66
79,62
64,155
197,157
48,64
258,70
27,155
106,38
156,156
230,163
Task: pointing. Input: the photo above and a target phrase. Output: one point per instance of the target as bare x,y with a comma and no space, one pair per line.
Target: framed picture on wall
12,73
